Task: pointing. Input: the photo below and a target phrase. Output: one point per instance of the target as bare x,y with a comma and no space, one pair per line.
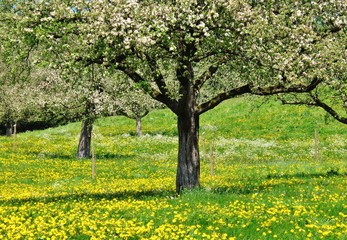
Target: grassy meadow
272,178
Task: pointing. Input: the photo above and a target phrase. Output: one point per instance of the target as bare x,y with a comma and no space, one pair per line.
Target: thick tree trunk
138,126
188,169
85,139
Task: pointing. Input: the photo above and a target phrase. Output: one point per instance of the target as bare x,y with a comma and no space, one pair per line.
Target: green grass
269,182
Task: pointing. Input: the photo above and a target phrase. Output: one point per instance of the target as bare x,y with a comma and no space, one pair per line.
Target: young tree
230,47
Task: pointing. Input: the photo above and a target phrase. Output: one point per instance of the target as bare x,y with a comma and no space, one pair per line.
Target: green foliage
268,183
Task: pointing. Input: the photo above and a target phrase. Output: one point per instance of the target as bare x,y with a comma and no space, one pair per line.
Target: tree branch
249,88
204,107
206,76
330,110
271,90
318,103
158,77
145,85
137,78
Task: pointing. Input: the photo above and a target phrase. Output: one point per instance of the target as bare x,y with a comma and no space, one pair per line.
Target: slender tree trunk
85,139
188,169
138,126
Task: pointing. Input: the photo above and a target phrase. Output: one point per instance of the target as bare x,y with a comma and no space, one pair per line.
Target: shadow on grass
242,190
94,196
114,156
245,188
72,156
329,173
256,186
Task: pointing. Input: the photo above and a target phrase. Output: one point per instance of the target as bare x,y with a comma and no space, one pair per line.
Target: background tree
81,95
232,47
14,76
15,70
87,94
133,102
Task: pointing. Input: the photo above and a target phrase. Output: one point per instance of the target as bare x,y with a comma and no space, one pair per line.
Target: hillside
270,179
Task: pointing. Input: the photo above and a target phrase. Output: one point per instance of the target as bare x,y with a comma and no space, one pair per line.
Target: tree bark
8,130
85,139
188,168
138,126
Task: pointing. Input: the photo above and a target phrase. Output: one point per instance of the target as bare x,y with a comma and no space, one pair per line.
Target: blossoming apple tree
215,50
332,95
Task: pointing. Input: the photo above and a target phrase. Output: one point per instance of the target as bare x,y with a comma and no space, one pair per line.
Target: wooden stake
211,160
93,162
316,145
15,137
204,148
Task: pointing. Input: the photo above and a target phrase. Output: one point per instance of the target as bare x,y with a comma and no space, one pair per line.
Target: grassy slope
269,182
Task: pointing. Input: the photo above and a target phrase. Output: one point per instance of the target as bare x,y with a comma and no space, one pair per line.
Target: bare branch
329,109
271,90
249,88
158,77
204,107
208,74
315,101
137,78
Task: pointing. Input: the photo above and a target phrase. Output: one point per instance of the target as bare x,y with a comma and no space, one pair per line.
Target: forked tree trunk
188,168
138,126
85,139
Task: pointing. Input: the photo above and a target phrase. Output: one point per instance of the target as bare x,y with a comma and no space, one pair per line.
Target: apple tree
215,50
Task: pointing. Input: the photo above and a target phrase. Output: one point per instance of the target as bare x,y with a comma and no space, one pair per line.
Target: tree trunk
138,126
8,130
85,139
188,169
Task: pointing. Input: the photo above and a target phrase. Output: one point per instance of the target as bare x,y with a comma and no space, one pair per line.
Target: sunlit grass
270,182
